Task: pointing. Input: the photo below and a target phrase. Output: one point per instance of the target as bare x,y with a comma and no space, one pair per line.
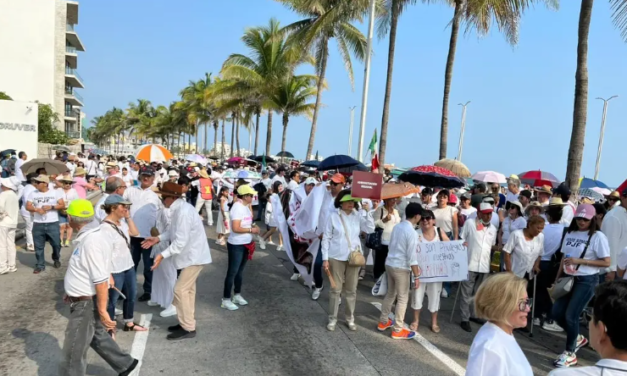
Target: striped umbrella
153,153
537,178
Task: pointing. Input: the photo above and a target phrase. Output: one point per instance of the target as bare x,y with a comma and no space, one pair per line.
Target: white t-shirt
240,212
68,196
552,239
510,197
89,265
574,244
121,259
18,169
524,252
444,218
72,167
25,195
41,199
494,352
467,212
128,179
604,367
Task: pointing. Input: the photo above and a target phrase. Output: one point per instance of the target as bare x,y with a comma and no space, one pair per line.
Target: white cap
7,182
485,207
172,173
310,180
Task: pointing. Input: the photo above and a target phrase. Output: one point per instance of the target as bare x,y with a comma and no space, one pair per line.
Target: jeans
138,252
261,210
126,282
43,232
380,255
238,257
317,272
84,329
566,310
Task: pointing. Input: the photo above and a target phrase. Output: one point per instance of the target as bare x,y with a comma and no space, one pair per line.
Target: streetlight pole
461,135
350,132
603,117
364,96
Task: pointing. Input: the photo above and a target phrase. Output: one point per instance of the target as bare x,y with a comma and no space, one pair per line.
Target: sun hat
310,180
42,179
485,208
544,189
556,201
338,178
7,182
169,189
116,199
203,174
613,194
65,179
246,190
585,211
518,205
173,174
349,197
80,208
80,171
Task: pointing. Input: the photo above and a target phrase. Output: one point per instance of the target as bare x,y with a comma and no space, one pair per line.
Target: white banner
443,261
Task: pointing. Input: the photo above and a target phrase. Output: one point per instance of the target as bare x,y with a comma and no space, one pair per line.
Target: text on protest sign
443,261
367,185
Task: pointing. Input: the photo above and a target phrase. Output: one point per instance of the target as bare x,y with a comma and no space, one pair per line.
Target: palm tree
580,110
138,118
198,105
326,20
5,96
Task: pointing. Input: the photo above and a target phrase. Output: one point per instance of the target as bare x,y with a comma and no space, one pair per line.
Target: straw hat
203,174
556,201
80,171
544,189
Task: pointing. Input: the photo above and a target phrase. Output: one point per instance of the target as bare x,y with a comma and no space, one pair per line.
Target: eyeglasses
523,304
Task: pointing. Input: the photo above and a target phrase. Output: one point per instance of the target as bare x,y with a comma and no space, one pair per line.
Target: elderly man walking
615,228
9,207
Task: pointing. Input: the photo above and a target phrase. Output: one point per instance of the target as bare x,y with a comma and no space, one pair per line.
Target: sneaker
181,334
228,304
537,321
316,293
383,326
566,359
262,243
152,304
144,298
12,269
466,326
403,334
552,326
30,247
38,270
237,298
130,370
67,242
331,325
270,242
57,264
279,248
351,325
295,277
581,342
174,328
170,311
4,271
444,293
118,312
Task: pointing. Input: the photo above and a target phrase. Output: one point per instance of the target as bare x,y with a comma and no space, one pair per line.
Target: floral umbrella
432,176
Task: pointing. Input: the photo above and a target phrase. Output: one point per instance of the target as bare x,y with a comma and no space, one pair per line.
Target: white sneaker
228,304
552,326
30,247
237,298
537,321
351,326
270,242
4,271
316,293
331,325
152,304
170,311
279,248
118,312
295,277
262,243
12,269
444,294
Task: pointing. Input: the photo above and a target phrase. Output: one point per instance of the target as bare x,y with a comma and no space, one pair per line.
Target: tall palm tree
580,110
198,105
326,20
138,118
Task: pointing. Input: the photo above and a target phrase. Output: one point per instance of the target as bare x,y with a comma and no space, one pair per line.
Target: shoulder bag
373,241
355,257
117,229
564,285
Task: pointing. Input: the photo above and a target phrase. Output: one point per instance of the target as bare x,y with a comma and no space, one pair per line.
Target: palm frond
619,16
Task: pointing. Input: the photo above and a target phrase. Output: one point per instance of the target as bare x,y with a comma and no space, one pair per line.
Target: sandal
131,328
435,328
414,326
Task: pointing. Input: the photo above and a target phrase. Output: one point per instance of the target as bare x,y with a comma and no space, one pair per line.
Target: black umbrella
432,176
337,162
259,158
7,152
285,154
358,167
312,163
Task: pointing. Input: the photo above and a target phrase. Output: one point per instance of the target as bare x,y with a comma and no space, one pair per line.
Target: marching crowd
536,246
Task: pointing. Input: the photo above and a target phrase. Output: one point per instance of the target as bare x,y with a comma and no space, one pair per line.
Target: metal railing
72,112
70,49
74,93
73,134
73,72
69,27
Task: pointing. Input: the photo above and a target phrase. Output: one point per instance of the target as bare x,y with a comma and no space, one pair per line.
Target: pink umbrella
489,177
235,160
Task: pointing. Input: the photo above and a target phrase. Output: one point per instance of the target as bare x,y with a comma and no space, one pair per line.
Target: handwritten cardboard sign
443,261
367,185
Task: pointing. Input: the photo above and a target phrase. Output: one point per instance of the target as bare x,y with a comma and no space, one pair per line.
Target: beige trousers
398,289
346,278
185,296
7,248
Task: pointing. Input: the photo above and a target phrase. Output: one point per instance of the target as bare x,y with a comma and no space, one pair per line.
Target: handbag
563,286
380,288
373,241
355,258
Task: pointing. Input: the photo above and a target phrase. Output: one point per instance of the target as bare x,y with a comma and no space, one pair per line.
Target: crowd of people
537,246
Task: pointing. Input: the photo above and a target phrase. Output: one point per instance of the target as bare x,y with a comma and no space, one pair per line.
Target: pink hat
452,199
586,211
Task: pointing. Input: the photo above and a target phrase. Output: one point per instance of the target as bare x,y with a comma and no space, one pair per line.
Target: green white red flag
374,153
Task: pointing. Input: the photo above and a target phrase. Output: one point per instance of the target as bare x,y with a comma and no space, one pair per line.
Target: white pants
28,220
433,290
199,203
7,248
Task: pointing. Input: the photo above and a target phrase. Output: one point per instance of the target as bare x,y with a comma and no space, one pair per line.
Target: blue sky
520,117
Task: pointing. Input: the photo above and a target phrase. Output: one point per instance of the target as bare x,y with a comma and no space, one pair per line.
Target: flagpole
364,96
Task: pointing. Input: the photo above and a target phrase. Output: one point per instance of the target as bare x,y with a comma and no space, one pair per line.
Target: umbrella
603,191
61,148
52,167
285,154
311,163
235,160
489,177
250,162
153,153
243,174
7,152
259,158
590,183
456,167
432,176
196,158
357,167
537,178
336,162
391,190
589,192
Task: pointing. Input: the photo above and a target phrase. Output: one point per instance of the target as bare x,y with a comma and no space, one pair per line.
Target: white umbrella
153,153
603,191
489,177
196,158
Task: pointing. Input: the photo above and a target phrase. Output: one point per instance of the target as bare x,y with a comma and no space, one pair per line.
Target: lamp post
350,131
461,135
603,117
364,96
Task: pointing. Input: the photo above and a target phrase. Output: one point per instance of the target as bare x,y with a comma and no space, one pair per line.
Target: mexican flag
374,154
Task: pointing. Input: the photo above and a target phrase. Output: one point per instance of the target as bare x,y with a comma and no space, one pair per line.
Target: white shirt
334,243
121,259
568,213
479,245
18,170
615,228
574,244
622,262
552,239
267,182
9,208
510,226
510,197
187,237
127,179
494,352
68,196
292,185
72,167
27,192
92,167
89,265
444,218
134,174
388,226
240,212
41,199
146,205
403,245
494,220
468,212
524,252
280,178
605,367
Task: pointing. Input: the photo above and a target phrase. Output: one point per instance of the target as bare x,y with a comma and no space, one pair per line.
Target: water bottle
569,269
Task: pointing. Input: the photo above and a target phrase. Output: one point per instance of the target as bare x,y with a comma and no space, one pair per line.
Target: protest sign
443,261
367,185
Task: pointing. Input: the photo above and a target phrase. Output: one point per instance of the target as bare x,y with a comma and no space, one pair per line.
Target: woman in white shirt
271,225
428,233
524,248
512,222
502,300
127,178
446,216
386,217
222,227
340,238
68,194
586,252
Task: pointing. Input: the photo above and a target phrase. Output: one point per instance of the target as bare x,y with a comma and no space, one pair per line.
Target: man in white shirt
513,189
479,235
146,206
614,226
9,207
280,176
189,251
294,181
86,284
563,192
91,167
71,165
18,167
402,259
26,215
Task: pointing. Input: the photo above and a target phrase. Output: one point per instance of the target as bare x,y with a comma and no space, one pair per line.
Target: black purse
373,241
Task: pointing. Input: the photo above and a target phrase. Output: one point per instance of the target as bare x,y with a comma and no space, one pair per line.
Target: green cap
349,198
80,208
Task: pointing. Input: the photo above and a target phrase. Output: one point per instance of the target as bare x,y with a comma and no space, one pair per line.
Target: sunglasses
522,306
583,219
425,219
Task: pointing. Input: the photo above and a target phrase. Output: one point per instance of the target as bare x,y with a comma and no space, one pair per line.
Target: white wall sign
18,127
443,261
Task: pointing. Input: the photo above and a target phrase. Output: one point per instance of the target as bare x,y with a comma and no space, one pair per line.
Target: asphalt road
281,332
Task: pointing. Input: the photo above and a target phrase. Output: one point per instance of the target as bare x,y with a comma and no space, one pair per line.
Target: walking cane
459,287
533,304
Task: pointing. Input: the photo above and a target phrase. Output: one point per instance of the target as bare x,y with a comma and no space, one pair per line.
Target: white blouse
334,243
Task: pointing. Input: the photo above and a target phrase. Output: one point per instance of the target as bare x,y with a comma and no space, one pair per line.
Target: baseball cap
349,198
116,199
147,170
172,173
246,190
80,208
525,193
585,211
310,180
485,208
42,179
338,178
562,189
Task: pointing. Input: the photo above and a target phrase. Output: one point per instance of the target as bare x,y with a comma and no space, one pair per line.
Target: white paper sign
443,261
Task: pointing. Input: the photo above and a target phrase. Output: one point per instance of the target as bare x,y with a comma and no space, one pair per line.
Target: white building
39,62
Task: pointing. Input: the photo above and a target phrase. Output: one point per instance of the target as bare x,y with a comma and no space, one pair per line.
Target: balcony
73,78
72,114
72,37
73,134
72,12
71,57
73,97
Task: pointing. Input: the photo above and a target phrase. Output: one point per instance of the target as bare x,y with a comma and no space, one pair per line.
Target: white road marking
139,343
450,363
